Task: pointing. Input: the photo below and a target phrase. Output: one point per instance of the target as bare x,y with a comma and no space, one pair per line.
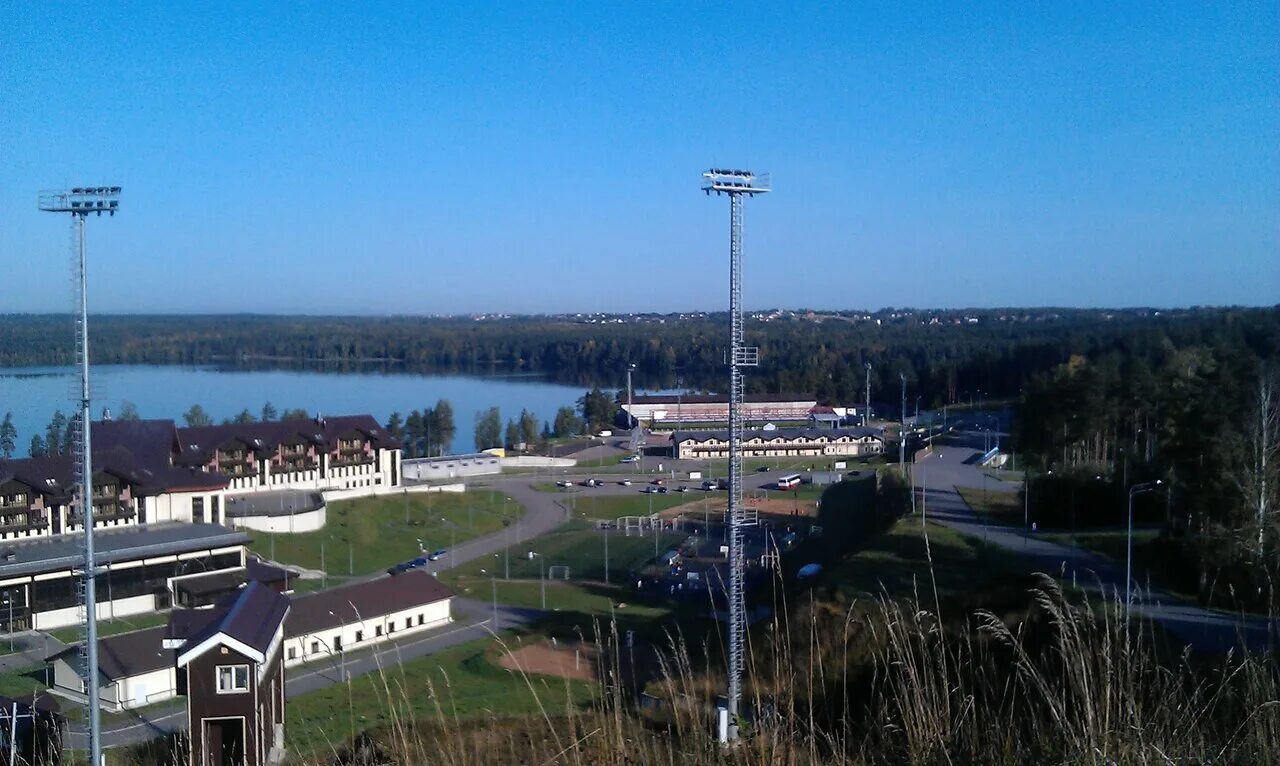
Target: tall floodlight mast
80,202
736,184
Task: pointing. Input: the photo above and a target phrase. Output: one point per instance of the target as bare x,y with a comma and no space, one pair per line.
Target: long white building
781,442
138,668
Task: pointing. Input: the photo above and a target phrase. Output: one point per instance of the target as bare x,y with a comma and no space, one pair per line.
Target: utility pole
79,202
902,429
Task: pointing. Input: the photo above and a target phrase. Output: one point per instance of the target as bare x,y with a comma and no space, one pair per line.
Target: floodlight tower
736,184
80,202
866,414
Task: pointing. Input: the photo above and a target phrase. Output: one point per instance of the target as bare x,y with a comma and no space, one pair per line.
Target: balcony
104,511
301,464
343,461
353,448
23,523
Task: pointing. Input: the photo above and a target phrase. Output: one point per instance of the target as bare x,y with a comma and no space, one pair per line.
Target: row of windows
123,583
320,647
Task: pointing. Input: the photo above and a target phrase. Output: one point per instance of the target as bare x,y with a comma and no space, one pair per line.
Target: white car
564,483
630,459
437,555
625,482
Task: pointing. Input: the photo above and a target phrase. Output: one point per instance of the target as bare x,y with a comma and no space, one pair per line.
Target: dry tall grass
884,682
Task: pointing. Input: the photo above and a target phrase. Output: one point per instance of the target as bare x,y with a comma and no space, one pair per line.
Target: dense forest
1198,411
947,356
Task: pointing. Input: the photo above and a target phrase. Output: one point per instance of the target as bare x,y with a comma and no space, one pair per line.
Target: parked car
682,488
630,459
662,490
564,483
707,486
650,489
437,555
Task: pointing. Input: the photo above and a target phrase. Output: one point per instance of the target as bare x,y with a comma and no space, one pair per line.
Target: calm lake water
33,393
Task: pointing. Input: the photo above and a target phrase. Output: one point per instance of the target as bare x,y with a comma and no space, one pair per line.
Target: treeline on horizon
944,362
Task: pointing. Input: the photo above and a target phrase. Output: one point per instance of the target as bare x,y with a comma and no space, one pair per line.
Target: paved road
472,620
951,466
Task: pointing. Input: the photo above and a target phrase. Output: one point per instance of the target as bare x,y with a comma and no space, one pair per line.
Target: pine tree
196,417
8,436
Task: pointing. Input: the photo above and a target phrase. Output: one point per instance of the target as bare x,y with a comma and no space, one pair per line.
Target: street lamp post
453,540
493,580
1134,491
342,649
542,576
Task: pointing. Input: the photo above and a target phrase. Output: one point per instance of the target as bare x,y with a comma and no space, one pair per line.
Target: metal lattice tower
736,184
80,202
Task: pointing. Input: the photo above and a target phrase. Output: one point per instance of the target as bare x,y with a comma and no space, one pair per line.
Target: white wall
538,461
308,521
147,688
434,615
124,607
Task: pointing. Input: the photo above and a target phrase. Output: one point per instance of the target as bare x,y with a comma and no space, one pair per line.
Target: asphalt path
952,464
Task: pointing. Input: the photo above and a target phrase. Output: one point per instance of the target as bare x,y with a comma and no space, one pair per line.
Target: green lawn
370,534
637,504
15,683
579,547
462,682
106,628
897,562
561,596
1002,506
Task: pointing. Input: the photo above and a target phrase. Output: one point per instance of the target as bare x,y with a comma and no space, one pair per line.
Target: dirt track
563,661
716,505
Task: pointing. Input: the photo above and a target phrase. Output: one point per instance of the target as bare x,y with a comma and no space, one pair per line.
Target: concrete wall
123,607
146,688
450,467
349,494
305,521
537,461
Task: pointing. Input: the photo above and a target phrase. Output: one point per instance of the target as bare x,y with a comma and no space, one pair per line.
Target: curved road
951,465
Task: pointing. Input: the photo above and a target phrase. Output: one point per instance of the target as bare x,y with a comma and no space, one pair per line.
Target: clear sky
530,157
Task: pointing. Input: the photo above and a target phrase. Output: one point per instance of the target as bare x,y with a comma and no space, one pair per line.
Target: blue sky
430,158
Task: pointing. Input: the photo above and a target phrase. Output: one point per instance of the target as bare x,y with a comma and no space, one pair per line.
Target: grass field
637,504
580,548
1002,506
21,681
368,534
463,682
896,562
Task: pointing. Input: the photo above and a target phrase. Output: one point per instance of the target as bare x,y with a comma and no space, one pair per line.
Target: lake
33,393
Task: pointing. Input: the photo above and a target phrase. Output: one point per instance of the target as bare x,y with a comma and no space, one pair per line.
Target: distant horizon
749,309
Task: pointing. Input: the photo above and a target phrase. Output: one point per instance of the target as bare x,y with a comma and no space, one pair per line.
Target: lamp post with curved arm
1134,491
